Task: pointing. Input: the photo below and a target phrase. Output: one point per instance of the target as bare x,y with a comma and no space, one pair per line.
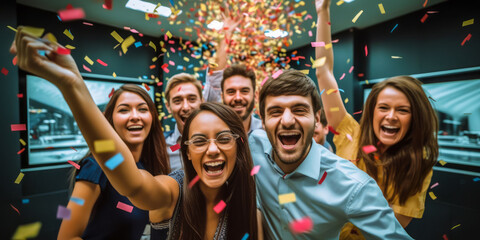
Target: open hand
322,5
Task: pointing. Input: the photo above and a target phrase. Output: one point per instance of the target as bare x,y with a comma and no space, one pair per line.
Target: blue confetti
113,162
341,90
190,66
200,74
171,2
322,92
78,201
394,28
476,179
138,44
25,201
245,237
179,67
59,18
41,52
144,77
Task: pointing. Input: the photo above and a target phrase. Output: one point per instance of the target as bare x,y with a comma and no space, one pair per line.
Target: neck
289,168
136,151
246,124
212,195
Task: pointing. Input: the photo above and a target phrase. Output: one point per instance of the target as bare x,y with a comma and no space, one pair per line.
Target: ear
168,107
317,116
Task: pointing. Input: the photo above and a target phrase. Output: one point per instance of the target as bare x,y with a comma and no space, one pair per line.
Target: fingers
28,51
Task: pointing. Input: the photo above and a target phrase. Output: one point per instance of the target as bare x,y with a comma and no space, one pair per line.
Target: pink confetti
124,207
318,44
71,14
323,178
14,61
175,147
194,180
463,42
349,137
255,170
310,33
350,70
219,207
263,81
87,23
172,49
74,164
63,51
166,70
63,212
108,4
102,62
277,73
355,113
18,127
14,208
343,75
434,185
366,50
369,149
335,41
86,68
302,225
171,63
4,71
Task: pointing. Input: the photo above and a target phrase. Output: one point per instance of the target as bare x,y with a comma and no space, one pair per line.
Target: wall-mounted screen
53,134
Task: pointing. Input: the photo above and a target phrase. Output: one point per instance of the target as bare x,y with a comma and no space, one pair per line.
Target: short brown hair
238,69
290,82
180,78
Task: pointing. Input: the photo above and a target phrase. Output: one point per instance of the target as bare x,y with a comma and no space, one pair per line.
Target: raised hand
322,5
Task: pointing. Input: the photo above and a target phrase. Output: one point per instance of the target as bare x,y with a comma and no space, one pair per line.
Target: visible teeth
390,127
135,127
289,134
214,164
215,172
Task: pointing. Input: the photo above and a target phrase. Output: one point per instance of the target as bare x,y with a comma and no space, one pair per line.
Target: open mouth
289,139
135,128
390,130
214,168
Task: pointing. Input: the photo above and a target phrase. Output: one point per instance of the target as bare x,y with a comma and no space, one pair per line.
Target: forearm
324,35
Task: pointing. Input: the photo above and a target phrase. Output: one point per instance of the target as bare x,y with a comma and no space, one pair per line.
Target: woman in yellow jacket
396,140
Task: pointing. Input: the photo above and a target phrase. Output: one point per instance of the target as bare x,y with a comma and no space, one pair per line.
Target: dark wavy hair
154,155
239,193
408,162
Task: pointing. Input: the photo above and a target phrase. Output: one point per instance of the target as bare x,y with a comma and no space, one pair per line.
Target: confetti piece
102,62
331,90
310,34
175,147
359,112
21,151
219,207
340,2
476,179
458,225
68,34
36,32
319,62
434,185
323,178
151,44
424,18
302,225
194,180
425,3
114,74
357,16
19,178
318,44
87,23
396,25
346,100
263,81
111,93
124,207
305,71
396,57
71,14
127,43
4,71
442,162
366,50
255,170
63,212
382,10
286,198
27,230
101,146
466,38
468,22
74,164
245,237
432,195
349,137
25,201
18,127
108,4
14,61
445,237
63,51
78,201
86,68
343,75
277,73
168,34
88,60
14,208
114,161
334,109
146,86
330,128
70,47
11,28
116,36
22,142
369,149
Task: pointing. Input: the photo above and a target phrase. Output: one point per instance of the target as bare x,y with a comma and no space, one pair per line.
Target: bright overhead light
147,7
348,1
215,25
276,34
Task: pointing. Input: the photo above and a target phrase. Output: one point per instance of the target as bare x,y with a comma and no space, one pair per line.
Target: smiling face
391,116
238,93
289,123
184,98
132,118
214,165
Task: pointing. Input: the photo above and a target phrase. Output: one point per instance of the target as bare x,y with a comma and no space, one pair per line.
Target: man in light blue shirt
329,190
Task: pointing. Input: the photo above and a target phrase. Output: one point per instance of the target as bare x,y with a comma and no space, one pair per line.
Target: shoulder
90,171
258,139
178,175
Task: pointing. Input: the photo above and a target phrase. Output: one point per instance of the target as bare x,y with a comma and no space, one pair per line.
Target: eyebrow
127,105
205,136
294,106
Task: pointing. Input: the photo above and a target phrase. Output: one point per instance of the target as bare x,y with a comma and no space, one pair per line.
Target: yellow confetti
329,91
346,100
334,109
468,22
357,16
319,62
396,57
188,29
127,43
305,71
88,60
27,230
286,198
19,178
167,128
23,142
51,37
70,46
203,7
101,146
36,32
169,35
68,34
432,195
116,36
186,59
382,10
442,162
458,225
114,74
154,59
328,46
366,81
11,28
151,44
340,2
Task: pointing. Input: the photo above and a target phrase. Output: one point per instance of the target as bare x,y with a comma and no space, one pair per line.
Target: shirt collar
255,123
172,139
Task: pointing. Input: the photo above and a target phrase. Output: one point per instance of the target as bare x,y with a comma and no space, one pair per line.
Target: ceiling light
276,34
215,25
147,7
348,1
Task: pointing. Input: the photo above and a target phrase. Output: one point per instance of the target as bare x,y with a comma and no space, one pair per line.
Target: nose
391,114
186,106
288,120
238,96
134,115
212,148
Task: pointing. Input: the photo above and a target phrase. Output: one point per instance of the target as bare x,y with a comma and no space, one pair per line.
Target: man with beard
300,181
183,94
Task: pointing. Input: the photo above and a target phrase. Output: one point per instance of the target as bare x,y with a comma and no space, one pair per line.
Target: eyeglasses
224,141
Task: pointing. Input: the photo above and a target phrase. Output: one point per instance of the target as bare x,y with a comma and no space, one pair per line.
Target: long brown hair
239,192
154,155
407,163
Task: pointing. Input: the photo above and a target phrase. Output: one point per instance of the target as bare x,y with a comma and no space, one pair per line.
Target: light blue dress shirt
175,157
347,194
